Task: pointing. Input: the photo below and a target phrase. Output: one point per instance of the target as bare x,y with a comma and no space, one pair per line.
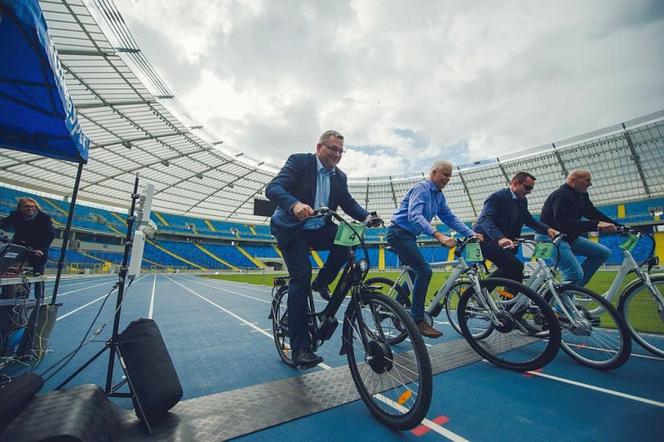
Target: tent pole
65,235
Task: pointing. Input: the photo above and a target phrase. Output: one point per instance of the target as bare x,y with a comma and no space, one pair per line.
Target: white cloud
475,80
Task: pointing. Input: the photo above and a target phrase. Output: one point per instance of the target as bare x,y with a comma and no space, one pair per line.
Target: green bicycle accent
473,253
629,243
347,236
543,250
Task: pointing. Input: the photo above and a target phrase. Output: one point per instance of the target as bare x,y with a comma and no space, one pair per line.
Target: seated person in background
563,210
503,215
422,202
310,181
32,228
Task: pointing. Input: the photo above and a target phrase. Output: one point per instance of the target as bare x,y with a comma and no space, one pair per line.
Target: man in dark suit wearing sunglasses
504,214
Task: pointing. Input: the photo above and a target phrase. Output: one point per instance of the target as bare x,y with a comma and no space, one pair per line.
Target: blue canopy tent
36,112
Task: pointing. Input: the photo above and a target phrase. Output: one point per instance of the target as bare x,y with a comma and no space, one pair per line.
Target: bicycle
594,333
508,335
641,302
395,381
446,297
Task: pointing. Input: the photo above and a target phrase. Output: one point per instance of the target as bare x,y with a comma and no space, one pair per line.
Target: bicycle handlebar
372,221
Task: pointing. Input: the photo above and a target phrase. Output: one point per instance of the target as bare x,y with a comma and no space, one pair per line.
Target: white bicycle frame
459,266
629,264
543,278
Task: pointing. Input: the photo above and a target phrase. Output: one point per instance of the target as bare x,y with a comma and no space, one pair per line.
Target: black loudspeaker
150,368
264,207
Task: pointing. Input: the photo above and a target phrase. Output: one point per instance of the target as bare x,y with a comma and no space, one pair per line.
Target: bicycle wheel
644,315
389,288
520,333
394,380
600,339
279,316
451,303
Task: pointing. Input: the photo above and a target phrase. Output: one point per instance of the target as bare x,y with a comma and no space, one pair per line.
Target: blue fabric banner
37,114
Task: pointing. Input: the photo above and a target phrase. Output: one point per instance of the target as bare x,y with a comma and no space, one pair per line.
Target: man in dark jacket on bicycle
565,210
308,182
504,214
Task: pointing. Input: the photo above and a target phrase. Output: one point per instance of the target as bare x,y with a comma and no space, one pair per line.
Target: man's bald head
579,180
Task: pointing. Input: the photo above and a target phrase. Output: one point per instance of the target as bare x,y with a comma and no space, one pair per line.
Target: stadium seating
185,254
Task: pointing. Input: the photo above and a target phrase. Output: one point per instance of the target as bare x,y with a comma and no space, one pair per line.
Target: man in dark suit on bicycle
570,210
307,182
502,217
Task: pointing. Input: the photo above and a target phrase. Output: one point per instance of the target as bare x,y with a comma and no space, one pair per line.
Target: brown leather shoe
428,331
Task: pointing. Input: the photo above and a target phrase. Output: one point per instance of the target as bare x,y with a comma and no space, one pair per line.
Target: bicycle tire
279,315
512,344
395,381
605,344
644,321
387,287
451,303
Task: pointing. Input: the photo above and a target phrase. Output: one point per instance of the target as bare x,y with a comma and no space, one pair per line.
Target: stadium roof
136,125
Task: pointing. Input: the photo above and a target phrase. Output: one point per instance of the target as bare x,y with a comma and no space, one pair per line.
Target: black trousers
509,266
296,256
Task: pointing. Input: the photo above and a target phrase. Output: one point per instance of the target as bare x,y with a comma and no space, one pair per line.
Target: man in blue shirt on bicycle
422,202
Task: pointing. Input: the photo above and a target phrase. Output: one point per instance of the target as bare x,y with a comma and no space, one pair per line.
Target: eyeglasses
334,148
528,187
28,207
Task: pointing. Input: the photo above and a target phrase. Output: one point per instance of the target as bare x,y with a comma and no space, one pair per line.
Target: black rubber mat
84,412
246,410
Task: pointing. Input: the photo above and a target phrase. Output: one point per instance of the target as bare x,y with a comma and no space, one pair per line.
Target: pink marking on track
421,430
529,374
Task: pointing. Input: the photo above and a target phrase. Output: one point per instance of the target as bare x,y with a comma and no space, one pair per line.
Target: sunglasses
528,187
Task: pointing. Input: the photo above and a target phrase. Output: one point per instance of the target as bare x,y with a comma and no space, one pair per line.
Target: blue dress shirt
322,196
422,202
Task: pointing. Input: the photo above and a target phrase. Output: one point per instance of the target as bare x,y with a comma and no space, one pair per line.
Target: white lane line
267,301
151,308
242,320
596,388
426,422
92,302
320,301
82,307
84,288
606,350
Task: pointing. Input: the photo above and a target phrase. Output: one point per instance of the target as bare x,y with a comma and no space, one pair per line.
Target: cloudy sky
406,82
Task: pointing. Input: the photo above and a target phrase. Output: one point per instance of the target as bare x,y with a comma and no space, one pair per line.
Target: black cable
83,343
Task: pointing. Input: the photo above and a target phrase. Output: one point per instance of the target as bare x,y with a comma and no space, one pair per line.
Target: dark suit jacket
564,209
503,216
296,182
37,233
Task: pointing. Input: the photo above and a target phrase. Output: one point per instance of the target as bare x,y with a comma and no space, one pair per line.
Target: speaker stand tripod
113,344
